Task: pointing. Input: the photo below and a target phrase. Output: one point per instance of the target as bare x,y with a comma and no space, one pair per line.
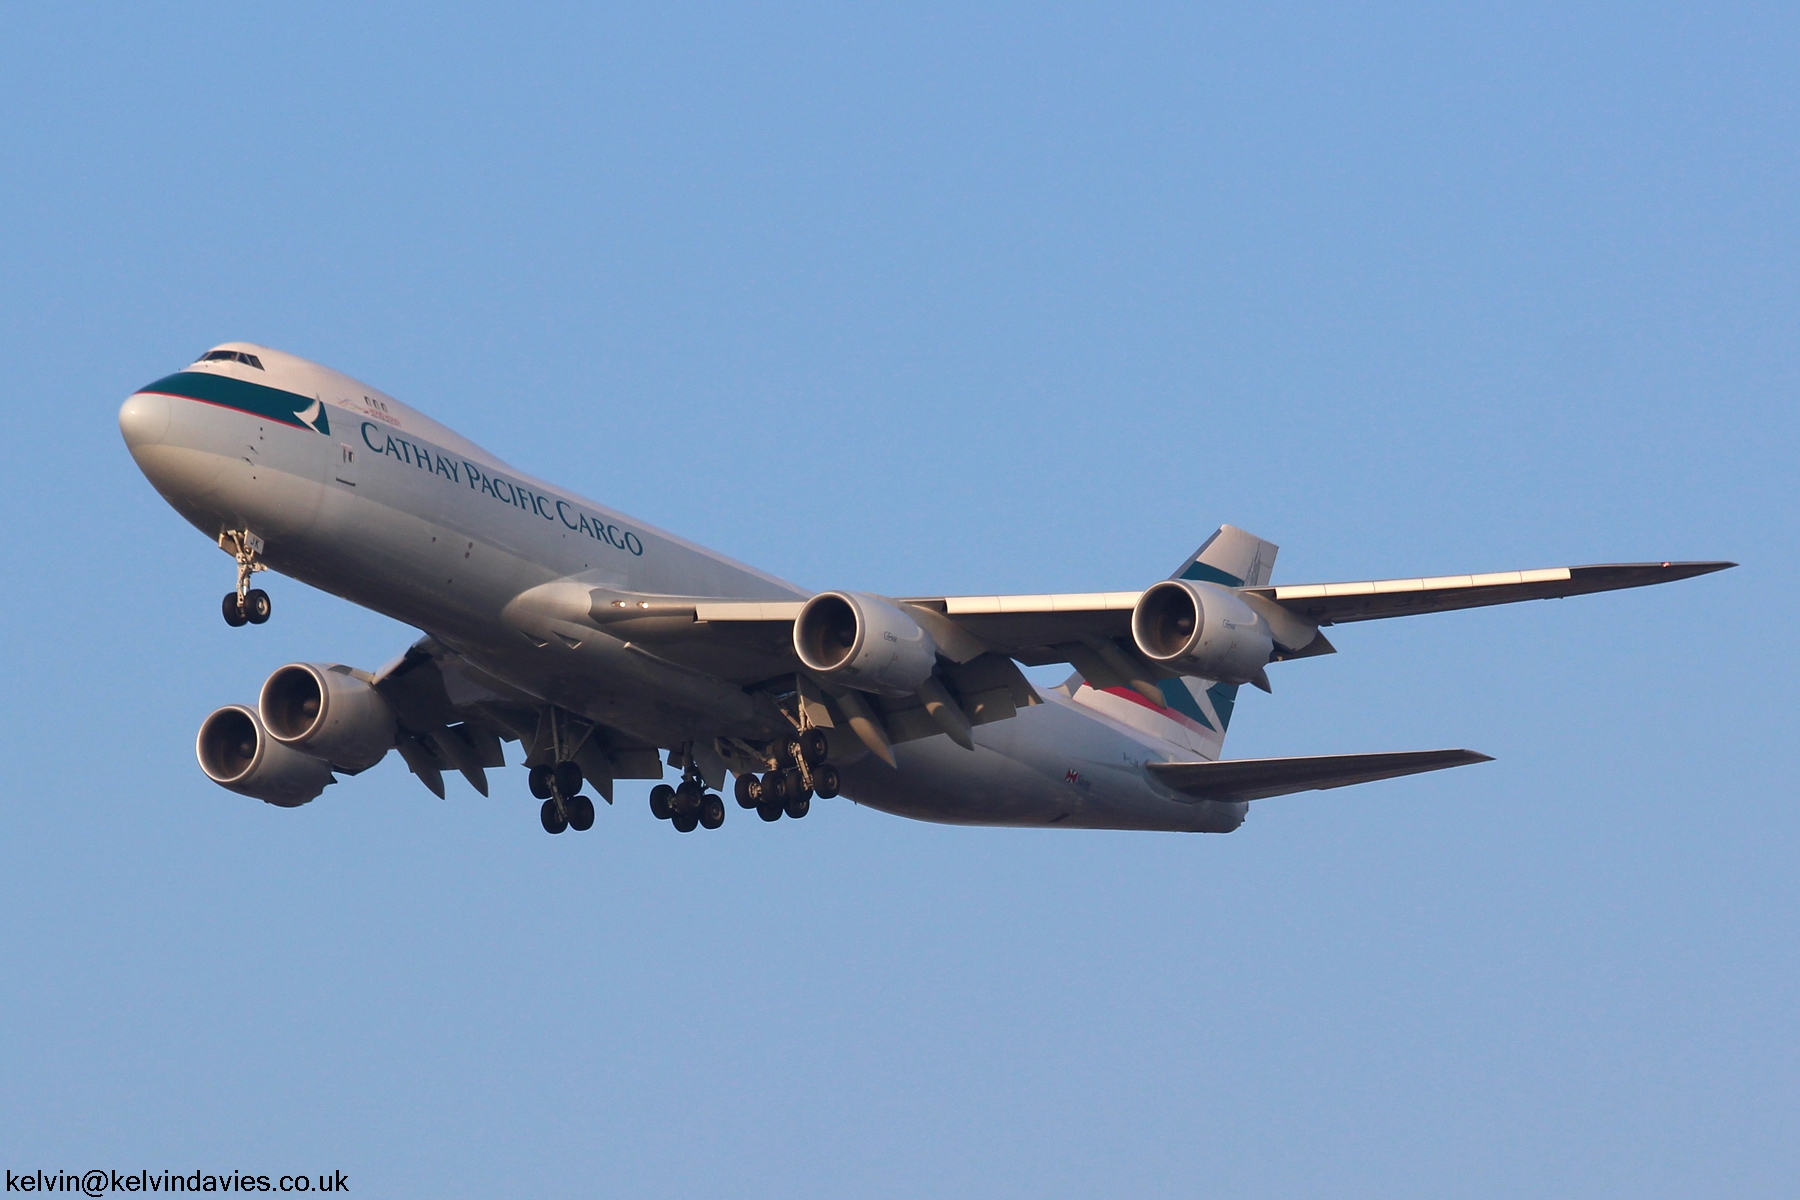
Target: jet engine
237,753
1201,629
864,642
329,713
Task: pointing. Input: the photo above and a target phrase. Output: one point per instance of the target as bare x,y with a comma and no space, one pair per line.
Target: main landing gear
799,773
559,787
246,605
789,790
688,807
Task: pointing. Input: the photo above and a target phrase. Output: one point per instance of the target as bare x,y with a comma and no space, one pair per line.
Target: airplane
607,648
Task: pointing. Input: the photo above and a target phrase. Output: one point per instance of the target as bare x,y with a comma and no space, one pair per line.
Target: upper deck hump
271,368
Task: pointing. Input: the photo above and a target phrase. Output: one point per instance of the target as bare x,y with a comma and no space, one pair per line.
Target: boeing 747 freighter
607,649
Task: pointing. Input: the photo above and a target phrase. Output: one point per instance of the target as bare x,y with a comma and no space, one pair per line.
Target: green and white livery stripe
302,412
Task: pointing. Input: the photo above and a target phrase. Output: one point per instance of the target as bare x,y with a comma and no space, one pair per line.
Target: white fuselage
367,499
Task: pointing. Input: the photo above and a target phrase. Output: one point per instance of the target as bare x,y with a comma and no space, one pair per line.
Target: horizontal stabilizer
1260,778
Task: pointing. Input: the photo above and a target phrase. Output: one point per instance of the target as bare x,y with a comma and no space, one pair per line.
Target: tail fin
1231,557
1195,712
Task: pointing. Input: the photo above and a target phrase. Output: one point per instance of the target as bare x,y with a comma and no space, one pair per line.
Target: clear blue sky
913,299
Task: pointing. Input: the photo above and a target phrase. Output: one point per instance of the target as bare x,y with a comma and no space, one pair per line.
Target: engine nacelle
236,752
329,713
864,642
1201,629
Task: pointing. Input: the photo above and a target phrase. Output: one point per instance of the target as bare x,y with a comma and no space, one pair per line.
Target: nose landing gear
246,605
251,608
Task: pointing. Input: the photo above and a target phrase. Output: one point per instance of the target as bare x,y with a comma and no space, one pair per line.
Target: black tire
794,786
581,813
769,812
660,795
685,822
825,782
813,746
234,616
257,607
539,781
748,790
568,778
799,806
552,818
773,789
712,811
687,798
784,753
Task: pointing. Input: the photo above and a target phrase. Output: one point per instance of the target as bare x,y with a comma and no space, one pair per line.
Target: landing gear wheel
660,797
687,798
712,811
793,786
257,606
684,822
825,782
552,818
813,746
581,813
769,812
568,778
234,614
539,781
748,790
799,806
773,789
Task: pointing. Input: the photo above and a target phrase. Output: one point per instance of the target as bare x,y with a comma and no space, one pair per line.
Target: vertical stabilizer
1231,557
1195,712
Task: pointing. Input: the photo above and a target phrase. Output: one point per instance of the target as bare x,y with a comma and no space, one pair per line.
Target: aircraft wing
748,640
1024,622
1084,626
1335,603
454,716
1038,629
1260,778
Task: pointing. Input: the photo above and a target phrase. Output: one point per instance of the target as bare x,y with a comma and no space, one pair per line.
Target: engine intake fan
237,753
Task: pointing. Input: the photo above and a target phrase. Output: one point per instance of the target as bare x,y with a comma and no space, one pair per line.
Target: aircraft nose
144,420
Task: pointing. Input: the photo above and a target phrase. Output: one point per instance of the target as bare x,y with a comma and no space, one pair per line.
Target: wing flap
1260,778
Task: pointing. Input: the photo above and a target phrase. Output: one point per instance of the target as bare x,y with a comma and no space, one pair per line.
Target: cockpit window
249,360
